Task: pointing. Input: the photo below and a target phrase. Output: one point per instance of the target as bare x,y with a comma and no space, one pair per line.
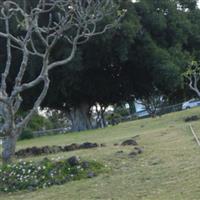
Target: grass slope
169,168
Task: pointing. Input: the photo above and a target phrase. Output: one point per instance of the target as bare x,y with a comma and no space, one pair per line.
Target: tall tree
74,21
93,77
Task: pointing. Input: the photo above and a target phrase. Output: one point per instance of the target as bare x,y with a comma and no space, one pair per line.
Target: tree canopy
145,54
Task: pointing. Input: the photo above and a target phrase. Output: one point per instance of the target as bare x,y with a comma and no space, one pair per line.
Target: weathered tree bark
9,145
100,118
132,108
80,117
103,121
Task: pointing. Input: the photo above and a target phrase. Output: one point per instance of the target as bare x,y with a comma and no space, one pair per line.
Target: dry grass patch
167,170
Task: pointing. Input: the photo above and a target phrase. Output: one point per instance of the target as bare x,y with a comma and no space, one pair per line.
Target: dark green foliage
132,108
58,119
26,134
147,51
94,75
121,110
114,118
37,123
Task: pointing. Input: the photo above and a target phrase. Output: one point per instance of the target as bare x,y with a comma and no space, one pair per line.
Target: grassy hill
168,169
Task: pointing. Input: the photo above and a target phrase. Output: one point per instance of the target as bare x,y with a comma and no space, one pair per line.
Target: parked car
190,104
142,113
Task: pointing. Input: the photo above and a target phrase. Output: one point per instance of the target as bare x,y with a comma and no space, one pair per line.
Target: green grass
169,168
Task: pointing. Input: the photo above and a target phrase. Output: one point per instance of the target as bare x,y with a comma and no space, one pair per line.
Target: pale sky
198,3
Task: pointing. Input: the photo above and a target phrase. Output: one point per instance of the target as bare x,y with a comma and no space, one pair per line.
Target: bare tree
193,76
152,102
72,20
100,110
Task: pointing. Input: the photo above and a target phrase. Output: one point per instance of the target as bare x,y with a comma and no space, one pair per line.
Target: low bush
37,123
31,175
114,118
26,134
191,118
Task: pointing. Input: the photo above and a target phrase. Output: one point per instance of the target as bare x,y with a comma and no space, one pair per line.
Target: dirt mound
191,118
129,142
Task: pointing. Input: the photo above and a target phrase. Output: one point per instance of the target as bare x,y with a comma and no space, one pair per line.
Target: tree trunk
103,121
9,145
132,108
80,117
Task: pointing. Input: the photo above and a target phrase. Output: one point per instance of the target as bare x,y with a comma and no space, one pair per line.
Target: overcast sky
198,3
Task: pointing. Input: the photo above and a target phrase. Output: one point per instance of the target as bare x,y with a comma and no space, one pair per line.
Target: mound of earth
191,118
129,142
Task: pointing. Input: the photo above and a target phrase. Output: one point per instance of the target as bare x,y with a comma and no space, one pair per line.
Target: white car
190,104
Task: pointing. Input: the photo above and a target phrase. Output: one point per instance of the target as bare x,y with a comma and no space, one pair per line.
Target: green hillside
168,169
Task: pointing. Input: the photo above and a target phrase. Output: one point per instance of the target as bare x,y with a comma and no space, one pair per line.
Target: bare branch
73,20
36,104
9,57
193,76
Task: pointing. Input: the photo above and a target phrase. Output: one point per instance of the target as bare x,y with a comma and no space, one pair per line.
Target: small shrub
191,118
114,118
31,175
26,134
39,122
122,111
